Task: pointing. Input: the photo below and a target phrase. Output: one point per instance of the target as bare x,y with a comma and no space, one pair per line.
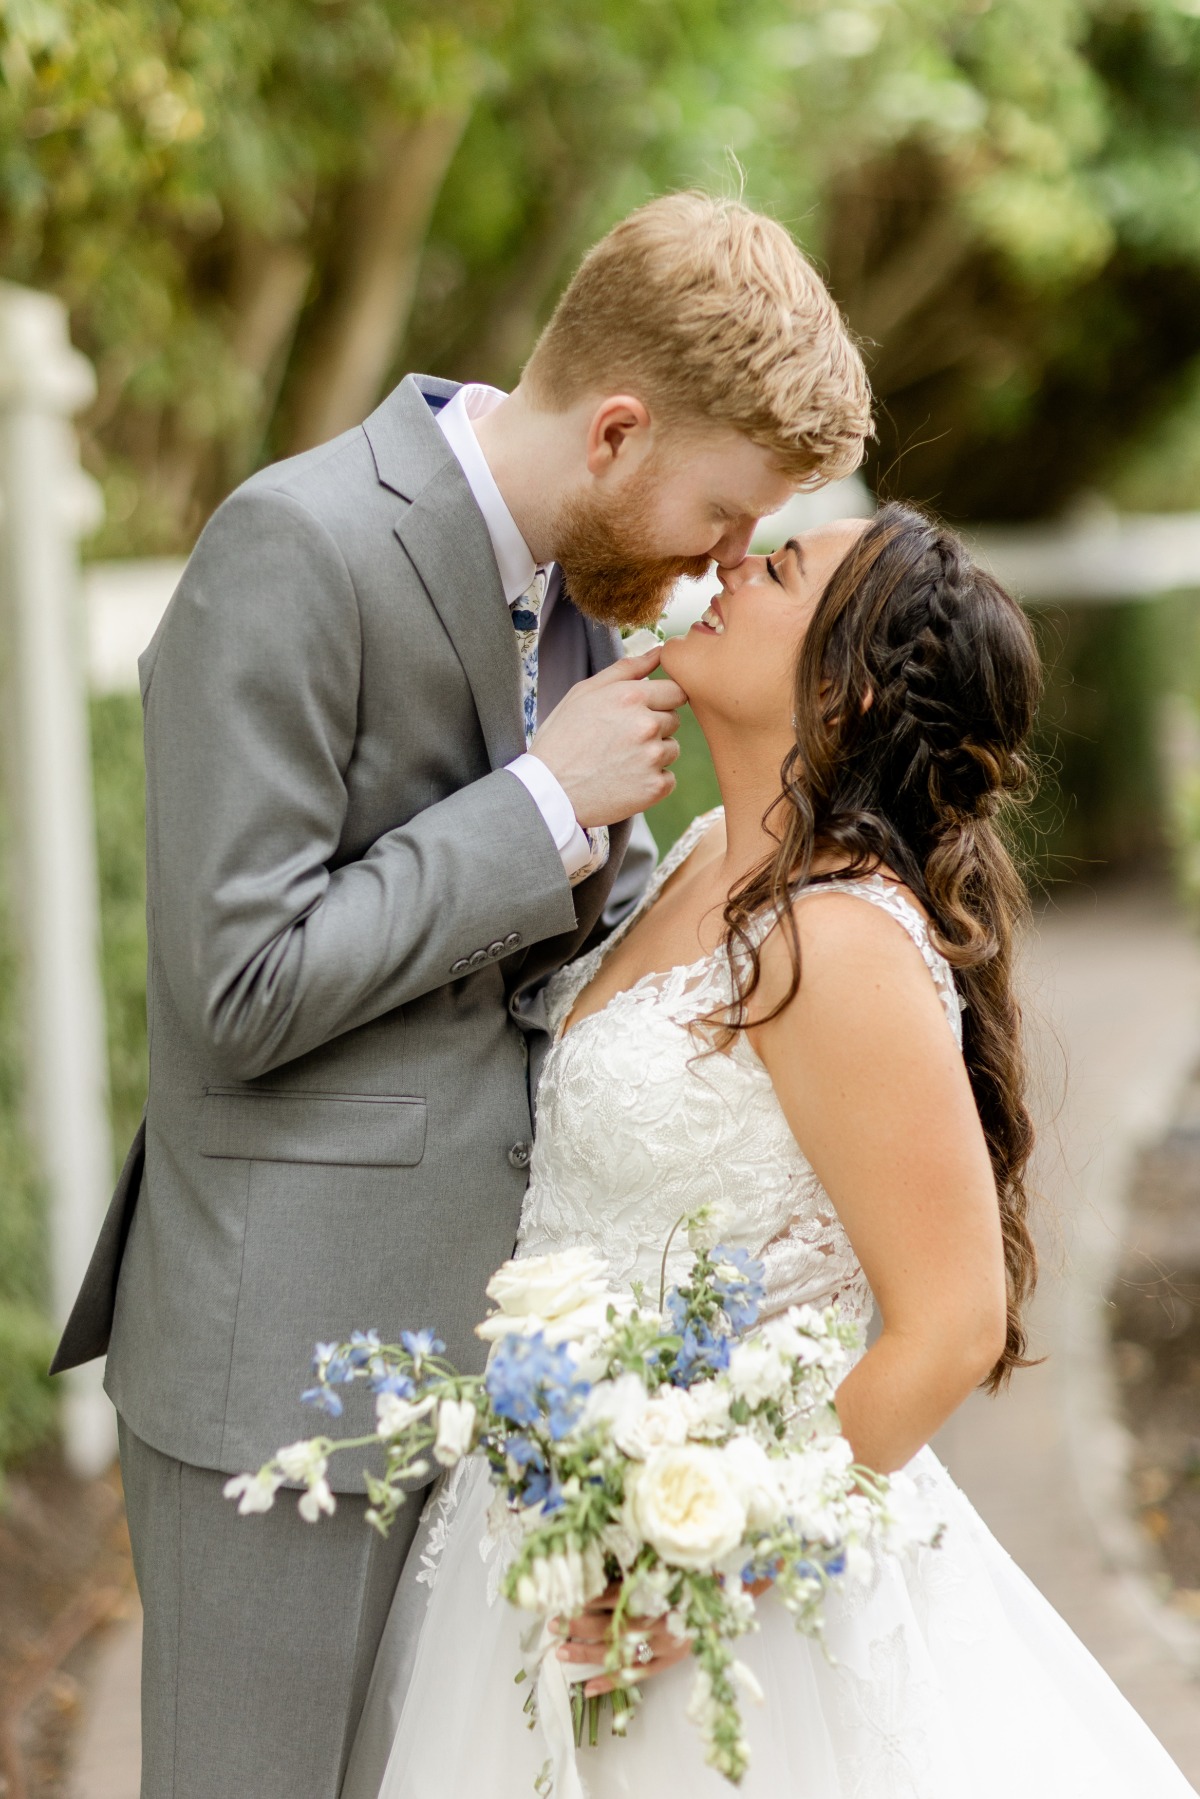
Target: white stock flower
753,1472
757,1371
302,1461
686,1506
707,1408
648,1593
253,1492
455,1429
748,1681
564,1295
318,1499
701,1711
911,1522
560,1585
394,1415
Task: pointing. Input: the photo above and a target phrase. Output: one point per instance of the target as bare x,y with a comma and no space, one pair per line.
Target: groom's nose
734,544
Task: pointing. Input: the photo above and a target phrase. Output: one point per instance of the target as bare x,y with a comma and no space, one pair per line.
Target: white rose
615,1405
753,1472
663,1425
456,1427
564,1295
686,1506
638,1424
394,1415
757,1371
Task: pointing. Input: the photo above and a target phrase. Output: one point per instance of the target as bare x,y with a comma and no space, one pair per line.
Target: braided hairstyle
915,692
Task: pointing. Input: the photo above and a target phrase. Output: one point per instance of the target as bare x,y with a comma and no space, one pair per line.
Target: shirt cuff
570,839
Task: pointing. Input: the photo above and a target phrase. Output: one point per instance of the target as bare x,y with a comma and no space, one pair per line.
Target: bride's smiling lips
711,620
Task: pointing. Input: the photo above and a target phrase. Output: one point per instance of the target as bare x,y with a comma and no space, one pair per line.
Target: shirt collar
513,557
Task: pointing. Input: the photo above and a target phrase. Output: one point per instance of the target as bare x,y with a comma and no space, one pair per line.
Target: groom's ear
619,424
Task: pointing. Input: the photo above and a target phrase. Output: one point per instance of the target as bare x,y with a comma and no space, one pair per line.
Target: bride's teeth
713,620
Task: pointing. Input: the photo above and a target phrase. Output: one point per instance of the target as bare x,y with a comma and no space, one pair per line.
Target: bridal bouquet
662,1451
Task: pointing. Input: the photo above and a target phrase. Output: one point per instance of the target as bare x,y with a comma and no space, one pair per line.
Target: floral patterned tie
526,613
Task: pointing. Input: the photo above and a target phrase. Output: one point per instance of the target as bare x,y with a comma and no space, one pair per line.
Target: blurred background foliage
261,212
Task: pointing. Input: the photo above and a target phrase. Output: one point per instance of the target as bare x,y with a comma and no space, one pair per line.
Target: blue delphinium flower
390,1380
700,1353
741,1294
325,1398
363,1345
527,1379
675,1306
542,1488
420,1344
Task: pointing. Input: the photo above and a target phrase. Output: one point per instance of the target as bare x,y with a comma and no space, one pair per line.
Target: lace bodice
636,1126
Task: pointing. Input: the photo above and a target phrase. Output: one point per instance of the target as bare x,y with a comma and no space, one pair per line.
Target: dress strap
877,890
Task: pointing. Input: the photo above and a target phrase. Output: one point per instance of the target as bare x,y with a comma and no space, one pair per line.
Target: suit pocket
352,1129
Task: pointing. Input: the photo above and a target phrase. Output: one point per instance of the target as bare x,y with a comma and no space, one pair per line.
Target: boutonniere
636,641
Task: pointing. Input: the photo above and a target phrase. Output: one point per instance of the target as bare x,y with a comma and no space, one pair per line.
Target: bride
808,1022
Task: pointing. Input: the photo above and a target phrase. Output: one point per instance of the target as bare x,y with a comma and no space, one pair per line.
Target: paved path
1114,986
1114,997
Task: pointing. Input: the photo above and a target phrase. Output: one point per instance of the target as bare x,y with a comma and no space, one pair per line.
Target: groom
392,757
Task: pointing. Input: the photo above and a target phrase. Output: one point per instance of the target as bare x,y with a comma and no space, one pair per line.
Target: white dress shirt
517,567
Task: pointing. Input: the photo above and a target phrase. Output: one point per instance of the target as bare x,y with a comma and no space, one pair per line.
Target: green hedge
26,1401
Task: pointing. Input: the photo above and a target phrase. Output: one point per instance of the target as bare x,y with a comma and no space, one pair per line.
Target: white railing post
46,504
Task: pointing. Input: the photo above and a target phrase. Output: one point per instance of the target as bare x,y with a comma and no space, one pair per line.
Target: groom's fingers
665,695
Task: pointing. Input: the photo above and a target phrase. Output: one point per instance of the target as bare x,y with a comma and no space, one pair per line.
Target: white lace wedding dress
950,1677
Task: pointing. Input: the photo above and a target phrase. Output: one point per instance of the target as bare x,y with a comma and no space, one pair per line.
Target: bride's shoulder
862,942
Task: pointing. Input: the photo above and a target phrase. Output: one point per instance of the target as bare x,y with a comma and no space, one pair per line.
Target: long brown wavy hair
915,692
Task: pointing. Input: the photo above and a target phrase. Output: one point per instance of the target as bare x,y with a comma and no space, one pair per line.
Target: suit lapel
443,533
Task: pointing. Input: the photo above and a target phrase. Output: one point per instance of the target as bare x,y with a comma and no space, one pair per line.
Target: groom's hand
610,742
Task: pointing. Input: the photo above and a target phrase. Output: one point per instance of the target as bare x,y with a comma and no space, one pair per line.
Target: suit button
478,959
495,949
458,967
512,940
519,1154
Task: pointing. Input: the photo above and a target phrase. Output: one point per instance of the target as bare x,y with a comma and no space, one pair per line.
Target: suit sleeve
251,694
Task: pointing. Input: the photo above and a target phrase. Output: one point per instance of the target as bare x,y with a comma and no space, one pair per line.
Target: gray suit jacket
350,908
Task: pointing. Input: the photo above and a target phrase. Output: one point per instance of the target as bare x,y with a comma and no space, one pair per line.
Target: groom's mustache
627,592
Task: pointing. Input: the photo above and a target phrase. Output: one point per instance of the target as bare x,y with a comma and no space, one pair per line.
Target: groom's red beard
608,574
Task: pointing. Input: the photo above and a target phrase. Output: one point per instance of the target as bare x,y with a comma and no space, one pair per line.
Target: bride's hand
587,1638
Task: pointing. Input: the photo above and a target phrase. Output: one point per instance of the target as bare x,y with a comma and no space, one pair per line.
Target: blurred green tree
260,214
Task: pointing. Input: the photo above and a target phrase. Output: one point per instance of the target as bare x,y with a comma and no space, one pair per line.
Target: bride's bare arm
876,1093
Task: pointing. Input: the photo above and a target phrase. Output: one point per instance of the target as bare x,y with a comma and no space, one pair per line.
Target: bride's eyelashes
774,573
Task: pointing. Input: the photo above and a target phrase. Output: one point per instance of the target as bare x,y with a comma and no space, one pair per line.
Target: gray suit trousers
260,1632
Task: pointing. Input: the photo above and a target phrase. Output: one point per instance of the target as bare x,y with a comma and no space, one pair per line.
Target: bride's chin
674,661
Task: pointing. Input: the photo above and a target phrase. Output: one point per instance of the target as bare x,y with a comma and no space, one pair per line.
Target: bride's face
738,662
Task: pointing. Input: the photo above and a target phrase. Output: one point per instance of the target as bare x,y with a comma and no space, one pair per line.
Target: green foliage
696,789
120,795
26,1402
260,214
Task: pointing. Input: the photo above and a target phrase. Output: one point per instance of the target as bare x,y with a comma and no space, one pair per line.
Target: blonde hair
708,311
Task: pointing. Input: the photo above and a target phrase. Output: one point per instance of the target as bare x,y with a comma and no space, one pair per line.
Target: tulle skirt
947,1677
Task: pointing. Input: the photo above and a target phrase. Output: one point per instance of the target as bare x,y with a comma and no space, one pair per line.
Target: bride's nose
736,575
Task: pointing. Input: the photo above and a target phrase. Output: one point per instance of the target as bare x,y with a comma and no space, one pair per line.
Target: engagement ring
643,1654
